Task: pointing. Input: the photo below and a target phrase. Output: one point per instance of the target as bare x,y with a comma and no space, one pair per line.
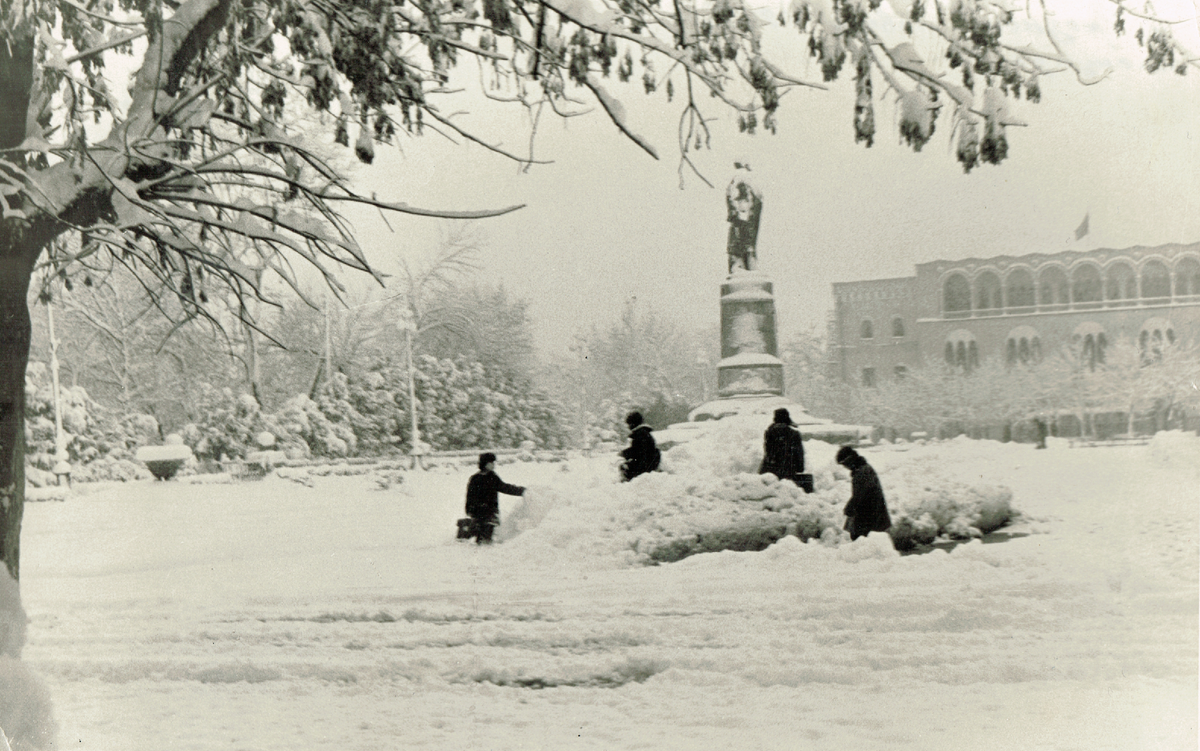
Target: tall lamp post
62,467
417,449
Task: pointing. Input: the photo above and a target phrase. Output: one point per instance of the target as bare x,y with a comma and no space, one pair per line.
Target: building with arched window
1018,309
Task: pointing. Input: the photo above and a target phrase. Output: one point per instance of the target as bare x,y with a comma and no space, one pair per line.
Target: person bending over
866,511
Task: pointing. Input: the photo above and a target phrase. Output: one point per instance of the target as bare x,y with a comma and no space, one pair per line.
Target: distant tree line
326,377
331,379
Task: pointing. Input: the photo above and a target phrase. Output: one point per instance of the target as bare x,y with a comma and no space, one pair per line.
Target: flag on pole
1082,229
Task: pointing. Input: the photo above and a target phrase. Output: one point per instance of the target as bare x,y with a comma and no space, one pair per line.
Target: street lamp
62,467
702,364
409,327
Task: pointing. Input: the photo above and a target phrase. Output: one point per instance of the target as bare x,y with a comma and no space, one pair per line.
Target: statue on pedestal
744,204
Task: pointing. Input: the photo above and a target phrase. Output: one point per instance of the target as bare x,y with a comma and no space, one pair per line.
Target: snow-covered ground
275,615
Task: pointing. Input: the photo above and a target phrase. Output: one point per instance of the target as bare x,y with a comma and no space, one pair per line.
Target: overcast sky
605,222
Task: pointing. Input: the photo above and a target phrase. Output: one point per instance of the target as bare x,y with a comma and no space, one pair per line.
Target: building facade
1014,308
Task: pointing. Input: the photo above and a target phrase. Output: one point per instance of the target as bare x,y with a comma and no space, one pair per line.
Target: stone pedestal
750,373
750,365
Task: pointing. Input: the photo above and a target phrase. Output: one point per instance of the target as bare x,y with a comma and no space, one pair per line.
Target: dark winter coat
867,510
783,452
483,501
642,455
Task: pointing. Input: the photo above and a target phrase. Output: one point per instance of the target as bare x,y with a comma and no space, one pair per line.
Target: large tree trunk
15,272
69,193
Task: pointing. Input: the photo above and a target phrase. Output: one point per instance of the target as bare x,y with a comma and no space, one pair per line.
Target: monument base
753,404
761,409
750,374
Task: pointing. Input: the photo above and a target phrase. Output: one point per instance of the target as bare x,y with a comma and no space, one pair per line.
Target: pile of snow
709,497
1175,448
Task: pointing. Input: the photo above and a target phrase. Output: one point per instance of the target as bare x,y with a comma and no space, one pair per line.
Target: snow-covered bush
108,469
100,443
925,502
466,405
709,498
227,424
302,428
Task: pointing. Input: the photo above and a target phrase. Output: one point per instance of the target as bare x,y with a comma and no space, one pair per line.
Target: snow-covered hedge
709,497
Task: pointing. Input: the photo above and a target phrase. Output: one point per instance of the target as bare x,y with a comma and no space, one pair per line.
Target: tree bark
16,268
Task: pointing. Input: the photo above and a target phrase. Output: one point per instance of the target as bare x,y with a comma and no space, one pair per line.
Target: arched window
1023,345
987,287
956,294
1156,280
1094,346
1155,334
1052,287
897,327
1086,285
1120,282
962,353
1091,343
1187,277
867,330
1018,289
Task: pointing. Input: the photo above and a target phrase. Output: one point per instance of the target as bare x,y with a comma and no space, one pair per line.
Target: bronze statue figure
744,204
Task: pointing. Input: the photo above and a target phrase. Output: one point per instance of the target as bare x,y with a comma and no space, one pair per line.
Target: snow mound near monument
709,498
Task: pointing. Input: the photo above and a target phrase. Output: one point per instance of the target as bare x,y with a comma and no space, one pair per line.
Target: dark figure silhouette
642,454
783,449
866,511
483,501
1041,432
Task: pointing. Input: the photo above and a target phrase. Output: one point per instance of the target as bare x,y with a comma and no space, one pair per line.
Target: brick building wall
1014,308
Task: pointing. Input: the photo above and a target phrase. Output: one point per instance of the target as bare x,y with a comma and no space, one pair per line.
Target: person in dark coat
1041,432
866,511
483,501
783,449
642,454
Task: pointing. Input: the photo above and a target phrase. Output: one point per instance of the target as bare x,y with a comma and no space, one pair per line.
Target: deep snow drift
339,613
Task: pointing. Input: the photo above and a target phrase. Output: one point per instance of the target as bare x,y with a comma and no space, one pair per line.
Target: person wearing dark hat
483,501
866,511
642,454
783,449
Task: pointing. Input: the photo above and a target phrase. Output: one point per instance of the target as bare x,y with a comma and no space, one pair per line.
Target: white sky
605,223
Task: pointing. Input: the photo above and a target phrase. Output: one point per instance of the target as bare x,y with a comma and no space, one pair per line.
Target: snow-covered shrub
227,424
99,442
710,498
921,497
108,469
303,429
466,405
908,532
